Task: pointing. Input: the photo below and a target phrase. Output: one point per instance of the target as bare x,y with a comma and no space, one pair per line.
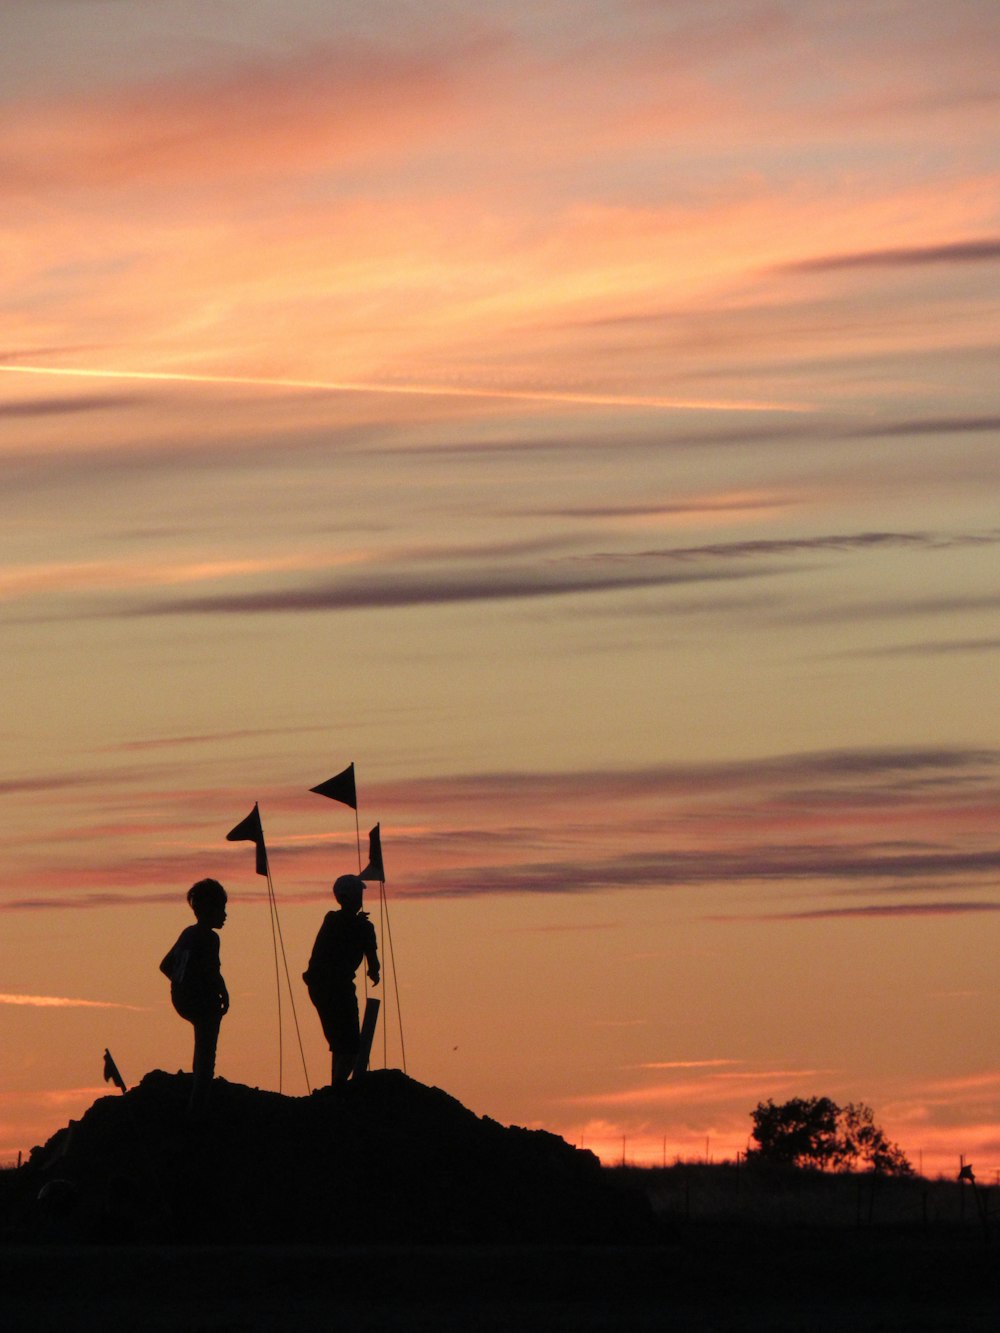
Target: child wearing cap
345,939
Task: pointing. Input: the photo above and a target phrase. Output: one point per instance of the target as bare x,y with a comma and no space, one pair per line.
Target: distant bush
816,1132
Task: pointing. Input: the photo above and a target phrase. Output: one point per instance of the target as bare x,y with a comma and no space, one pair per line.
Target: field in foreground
723,1279
727,1253
791,1197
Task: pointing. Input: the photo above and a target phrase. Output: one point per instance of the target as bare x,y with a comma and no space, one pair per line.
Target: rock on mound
383,1159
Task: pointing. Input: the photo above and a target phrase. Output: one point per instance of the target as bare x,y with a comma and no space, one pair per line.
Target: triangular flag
340,788
249,830
374,868
111,1074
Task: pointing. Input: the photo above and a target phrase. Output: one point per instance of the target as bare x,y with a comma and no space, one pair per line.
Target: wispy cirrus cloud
870,911
205,738
412,590
452,574
880,770
111,575
593,573
706,505
66,405
275,117
712,1087
815,864
688,1064
27,1116
28,786
898,609
837,542
816,429
64,1002
925,648
85,901
958,425
878,766
50,1097
980,250
864,826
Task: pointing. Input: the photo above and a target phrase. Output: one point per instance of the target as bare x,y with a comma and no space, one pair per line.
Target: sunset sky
583,417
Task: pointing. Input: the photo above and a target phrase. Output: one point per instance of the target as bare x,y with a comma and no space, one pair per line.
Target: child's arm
371,955
216,965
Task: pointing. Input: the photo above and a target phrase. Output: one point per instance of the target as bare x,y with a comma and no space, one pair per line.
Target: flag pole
395,978
343,788
288,980
375,869
381,927
272,908
251,830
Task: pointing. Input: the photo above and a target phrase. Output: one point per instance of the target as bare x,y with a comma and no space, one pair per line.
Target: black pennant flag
111,1074
340,788
374,868
249,830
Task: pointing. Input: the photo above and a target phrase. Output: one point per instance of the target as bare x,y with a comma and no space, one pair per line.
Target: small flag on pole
340,788
111,1074
249,830
374,869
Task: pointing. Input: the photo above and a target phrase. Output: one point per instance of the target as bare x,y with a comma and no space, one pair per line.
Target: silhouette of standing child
197,989
345,938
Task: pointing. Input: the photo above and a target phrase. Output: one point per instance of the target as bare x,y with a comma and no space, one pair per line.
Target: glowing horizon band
415,390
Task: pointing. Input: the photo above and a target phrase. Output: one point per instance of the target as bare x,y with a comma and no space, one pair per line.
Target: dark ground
390,1206
721,1280
384,1159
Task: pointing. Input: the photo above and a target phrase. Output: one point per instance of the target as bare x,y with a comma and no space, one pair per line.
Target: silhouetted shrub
816,1132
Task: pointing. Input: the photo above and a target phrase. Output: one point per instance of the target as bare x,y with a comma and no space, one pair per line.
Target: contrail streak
417,390
64,1002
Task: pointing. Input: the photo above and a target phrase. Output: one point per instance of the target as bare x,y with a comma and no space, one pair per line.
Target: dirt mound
381,1160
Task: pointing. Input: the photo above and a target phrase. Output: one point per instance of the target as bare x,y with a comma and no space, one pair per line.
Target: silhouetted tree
816,1132
799,1132
865,1142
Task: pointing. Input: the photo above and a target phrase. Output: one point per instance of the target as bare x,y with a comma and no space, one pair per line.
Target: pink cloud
321,109
844,833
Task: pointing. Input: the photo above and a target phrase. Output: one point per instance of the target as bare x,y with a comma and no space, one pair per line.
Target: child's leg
206,1041
343,1032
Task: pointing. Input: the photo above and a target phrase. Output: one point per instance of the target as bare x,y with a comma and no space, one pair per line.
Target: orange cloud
687,1064
110,575
721,1087
933,1124
64,1002
323,108
28,1117
283,222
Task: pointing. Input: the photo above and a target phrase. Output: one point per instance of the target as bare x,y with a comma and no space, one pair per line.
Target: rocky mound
381,1160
